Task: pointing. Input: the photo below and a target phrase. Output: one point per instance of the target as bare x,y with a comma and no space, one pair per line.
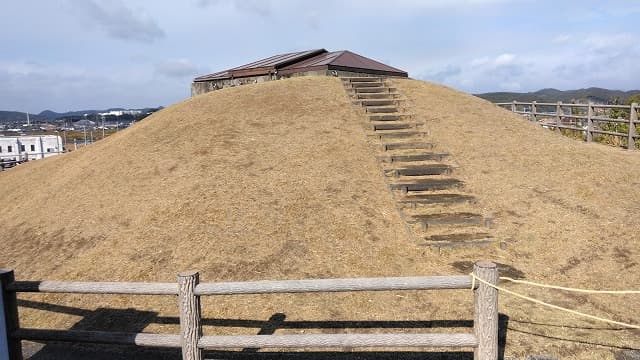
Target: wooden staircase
436,211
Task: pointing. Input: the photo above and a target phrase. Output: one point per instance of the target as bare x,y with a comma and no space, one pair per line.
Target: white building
19,148
120,112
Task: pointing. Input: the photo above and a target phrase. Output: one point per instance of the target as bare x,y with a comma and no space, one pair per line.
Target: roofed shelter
302,63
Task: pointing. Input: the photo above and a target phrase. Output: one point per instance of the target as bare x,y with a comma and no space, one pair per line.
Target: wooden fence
484,338
589,116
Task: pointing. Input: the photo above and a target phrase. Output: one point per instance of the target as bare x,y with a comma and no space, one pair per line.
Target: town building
302,63
21,148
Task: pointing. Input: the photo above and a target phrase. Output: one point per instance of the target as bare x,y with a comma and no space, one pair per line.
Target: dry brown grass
567,209
276,180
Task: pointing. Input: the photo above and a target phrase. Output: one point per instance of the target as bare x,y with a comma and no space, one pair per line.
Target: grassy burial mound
278,181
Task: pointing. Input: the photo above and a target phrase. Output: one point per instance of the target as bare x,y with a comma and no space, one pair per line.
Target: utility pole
64,132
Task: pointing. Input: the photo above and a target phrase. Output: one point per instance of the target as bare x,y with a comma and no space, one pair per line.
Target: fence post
590,122
513,106
10,348
485,311
190,327
633,117
559,114
534,110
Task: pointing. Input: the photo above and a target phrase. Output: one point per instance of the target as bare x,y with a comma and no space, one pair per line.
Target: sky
66,55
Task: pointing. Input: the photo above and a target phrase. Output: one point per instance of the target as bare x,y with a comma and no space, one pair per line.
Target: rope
570,289
540,302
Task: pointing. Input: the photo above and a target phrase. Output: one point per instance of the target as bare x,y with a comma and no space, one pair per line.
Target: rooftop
303,61
262,67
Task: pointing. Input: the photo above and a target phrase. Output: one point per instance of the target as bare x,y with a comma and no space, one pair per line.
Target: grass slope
563,206
276,180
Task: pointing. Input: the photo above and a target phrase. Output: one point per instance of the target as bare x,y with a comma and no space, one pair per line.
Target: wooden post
590,122
485,313
10,348
633,117
534,110
559,114
513,106
190,327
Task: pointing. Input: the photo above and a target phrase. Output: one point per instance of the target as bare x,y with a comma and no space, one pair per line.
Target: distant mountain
50,115
16,116
596,95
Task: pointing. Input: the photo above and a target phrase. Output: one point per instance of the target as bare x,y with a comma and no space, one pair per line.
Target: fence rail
587,112
484,338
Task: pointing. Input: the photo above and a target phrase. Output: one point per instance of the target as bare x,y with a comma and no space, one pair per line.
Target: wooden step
381,109
426,185
436,199
376,102
453,244
362,79
387,95
368,84
400,135
392,126
407,146
457,219
423,170
390,117
415,157
380,89
450,240
469,236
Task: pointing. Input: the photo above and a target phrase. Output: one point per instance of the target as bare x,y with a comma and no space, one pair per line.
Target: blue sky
82,54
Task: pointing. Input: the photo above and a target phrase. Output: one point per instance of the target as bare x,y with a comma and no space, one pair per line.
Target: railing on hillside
484,338
585,118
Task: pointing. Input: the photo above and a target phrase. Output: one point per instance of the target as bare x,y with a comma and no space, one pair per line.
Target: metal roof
262,67
343,60
281,60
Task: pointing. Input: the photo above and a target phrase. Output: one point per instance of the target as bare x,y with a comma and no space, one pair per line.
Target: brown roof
262,67
343,60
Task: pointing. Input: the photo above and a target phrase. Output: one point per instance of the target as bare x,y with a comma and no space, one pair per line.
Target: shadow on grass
131,320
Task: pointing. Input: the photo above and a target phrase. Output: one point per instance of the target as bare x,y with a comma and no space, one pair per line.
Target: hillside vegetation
597,95
277,181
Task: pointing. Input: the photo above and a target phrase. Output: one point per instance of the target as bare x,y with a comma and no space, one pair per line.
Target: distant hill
13,116
597,95
16,116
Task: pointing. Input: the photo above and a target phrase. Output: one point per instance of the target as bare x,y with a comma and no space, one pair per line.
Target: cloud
561,39
505,59
480,61
256,7
448,72
177,68
601,43
35,87
499,72
604,60
121,22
